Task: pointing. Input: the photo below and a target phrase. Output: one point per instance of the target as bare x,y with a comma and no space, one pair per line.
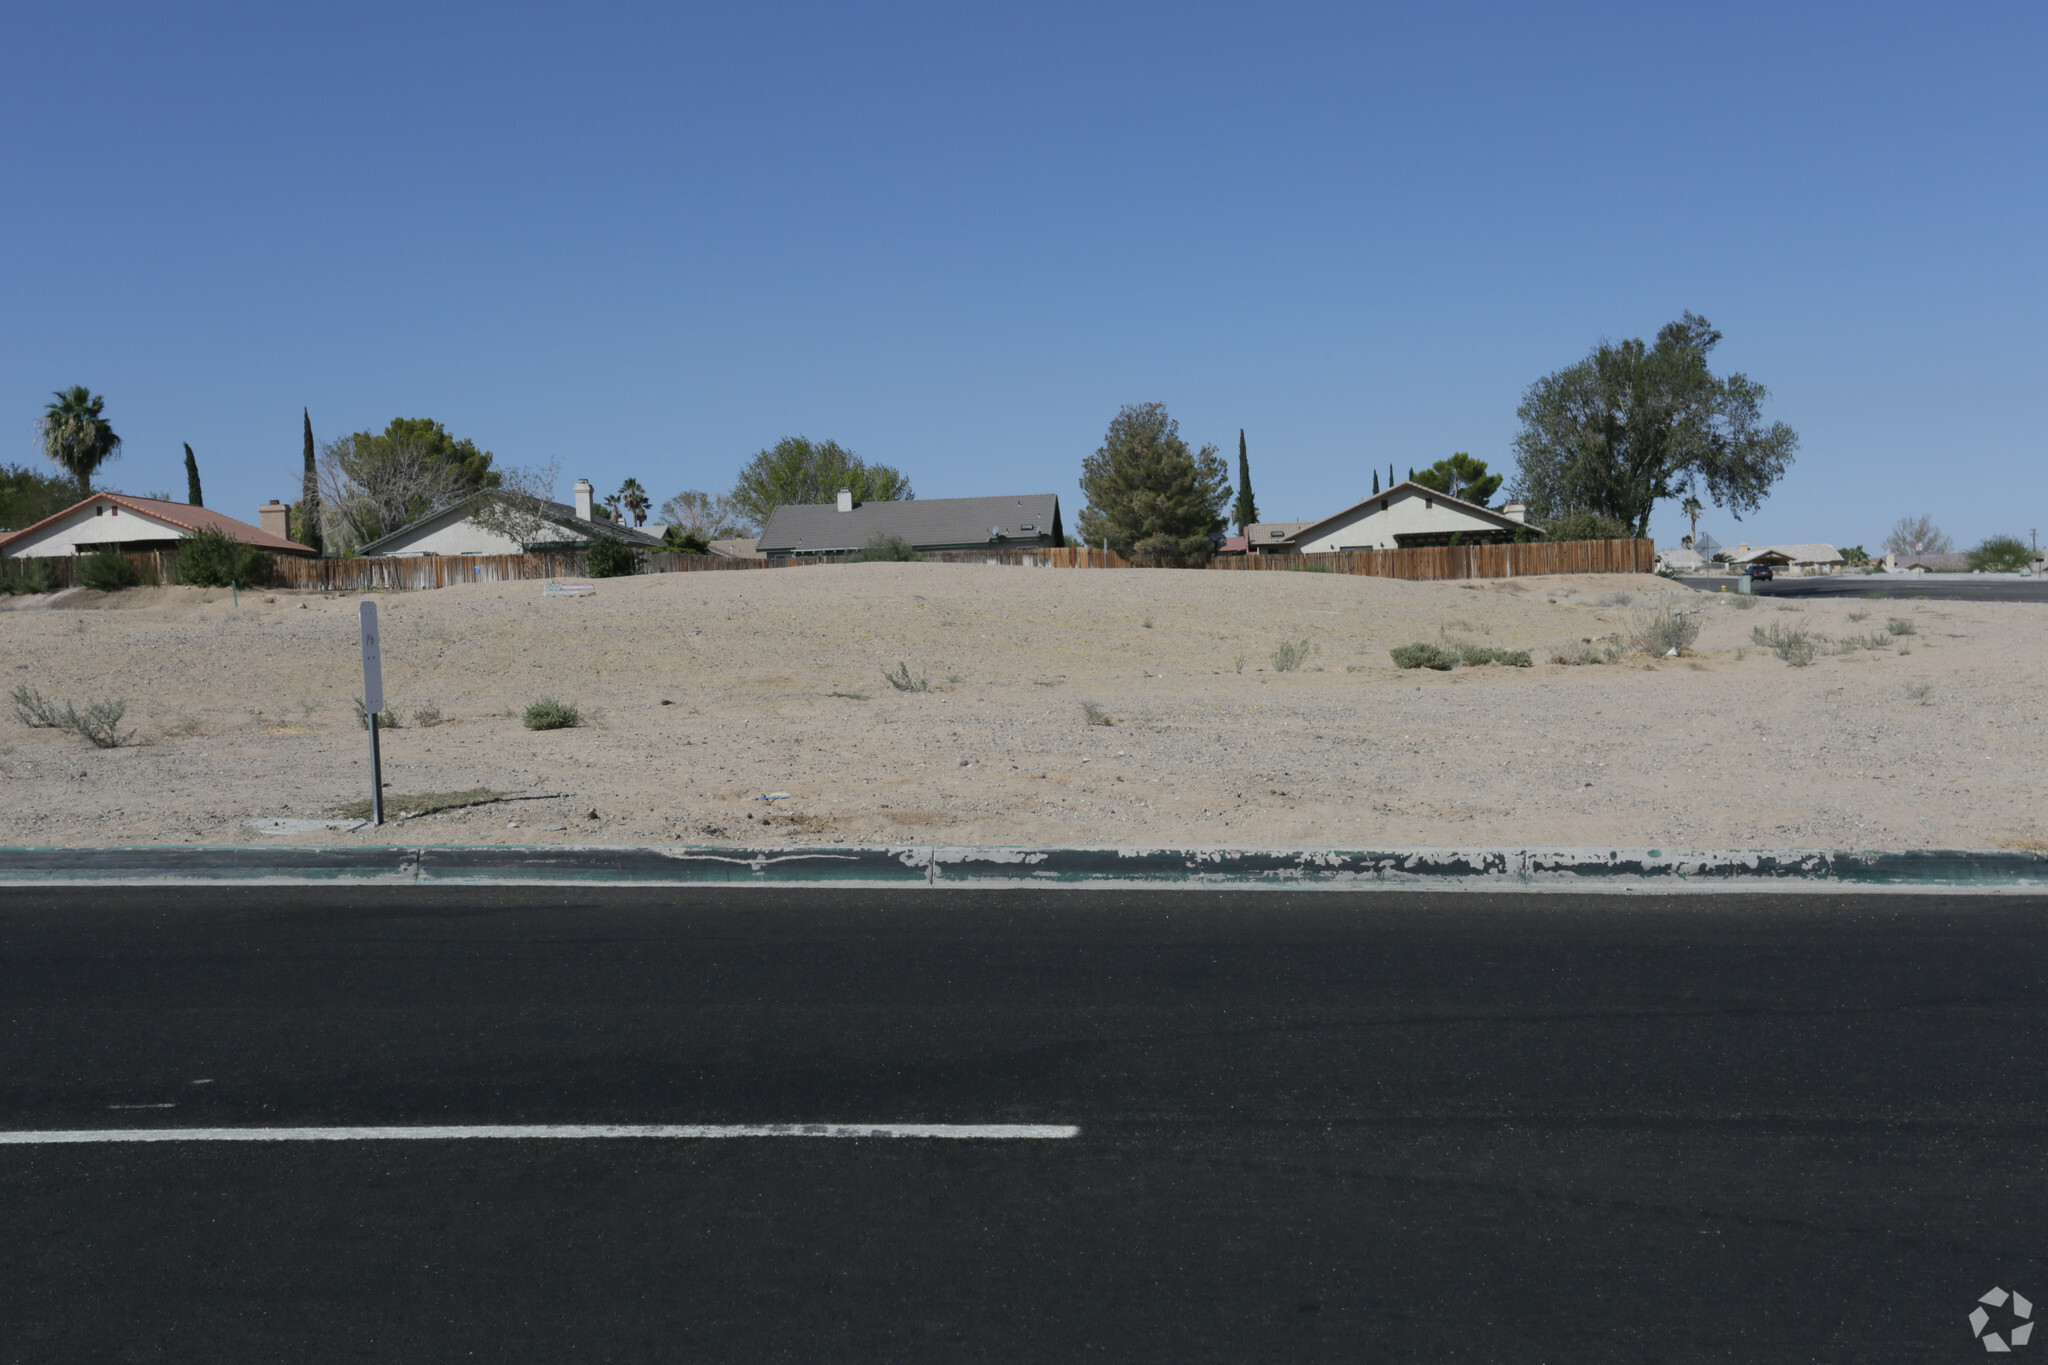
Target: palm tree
1692,507
633,498
74,433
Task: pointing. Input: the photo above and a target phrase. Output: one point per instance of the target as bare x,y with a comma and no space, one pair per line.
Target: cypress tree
192,478
1247,506
309,495
1375,481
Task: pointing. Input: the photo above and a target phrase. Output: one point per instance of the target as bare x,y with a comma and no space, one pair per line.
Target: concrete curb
1475,869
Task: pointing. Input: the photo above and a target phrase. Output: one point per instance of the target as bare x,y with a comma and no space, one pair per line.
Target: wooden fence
414,572
1465,561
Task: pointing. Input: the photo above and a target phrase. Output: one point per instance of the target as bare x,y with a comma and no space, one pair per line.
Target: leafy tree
677,541
1461,476
211,558
713,517
521,507
373,484
1633,424
192,496
1856,557
1917,536
882,549
633,498
28,495
610,557
306,517
2001,554
74,433
1584,525
1247,510
798,471
1149,496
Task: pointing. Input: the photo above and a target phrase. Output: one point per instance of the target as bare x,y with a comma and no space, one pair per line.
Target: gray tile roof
927,523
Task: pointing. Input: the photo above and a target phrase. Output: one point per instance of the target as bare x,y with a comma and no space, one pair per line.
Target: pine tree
1247,507
1150,497
192,478
309,495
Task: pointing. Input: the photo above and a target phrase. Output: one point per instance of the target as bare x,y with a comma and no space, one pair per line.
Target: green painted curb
941,866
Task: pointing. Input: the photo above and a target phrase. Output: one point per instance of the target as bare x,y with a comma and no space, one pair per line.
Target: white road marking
1002,1131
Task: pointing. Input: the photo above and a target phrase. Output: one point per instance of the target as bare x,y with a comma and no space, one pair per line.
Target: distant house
117,521
452,531
1805,559
1406,516
737,549
1680,560
1941,563
926,523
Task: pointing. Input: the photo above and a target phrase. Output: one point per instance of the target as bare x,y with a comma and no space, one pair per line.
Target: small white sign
373,662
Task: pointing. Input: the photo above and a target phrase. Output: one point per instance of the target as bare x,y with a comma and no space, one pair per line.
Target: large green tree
1247,509
1461,476
76,436
28,495
1633,424
372,483
1149,496
798,470
306,517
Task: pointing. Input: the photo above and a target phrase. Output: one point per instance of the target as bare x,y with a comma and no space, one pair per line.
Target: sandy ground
707,691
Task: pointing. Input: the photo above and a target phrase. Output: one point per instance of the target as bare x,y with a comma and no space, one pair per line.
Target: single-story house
451,531
1681,560
1941,563
1805,559
927,523
1404,517
137,524
749,548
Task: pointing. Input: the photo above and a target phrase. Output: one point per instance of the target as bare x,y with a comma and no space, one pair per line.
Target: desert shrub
1473,656
387,719
1850,644
1660,632
1095,715
1290,656
1583,525
427,716
1794,644
1581,653
1919,690
1859,616
1901,625
214,559
549,714
610,557
1423,656
105,570
884,549
1743,602
903,681
1616,599
2001,554
33,709
28,575
98,724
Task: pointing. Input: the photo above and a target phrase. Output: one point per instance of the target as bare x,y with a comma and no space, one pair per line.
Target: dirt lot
707,691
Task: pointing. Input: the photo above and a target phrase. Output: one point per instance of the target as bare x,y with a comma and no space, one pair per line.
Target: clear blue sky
650,240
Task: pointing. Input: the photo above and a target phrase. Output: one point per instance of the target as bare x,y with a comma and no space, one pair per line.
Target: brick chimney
275,518
584,494
1515,511
846,499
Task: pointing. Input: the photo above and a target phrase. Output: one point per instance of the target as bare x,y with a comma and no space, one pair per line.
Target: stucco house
1406,516
1801,559
840,528
138,524
452,531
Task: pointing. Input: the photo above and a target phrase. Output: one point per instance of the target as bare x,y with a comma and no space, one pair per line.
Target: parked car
1761,573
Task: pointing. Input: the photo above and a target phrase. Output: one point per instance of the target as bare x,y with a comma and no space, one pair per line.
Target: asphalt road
1315,1127
1949,586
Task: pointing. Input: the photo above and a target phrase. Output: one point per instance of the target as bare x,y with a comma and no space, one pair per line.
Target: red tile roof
181,514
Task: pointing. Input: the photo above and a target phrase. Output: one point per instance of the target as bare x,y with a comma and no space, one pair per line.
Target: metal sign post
373,703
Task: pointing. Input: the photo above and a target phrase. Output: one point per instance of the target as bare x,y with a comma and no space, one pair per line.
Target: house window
100,511
1428,504
1383,504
